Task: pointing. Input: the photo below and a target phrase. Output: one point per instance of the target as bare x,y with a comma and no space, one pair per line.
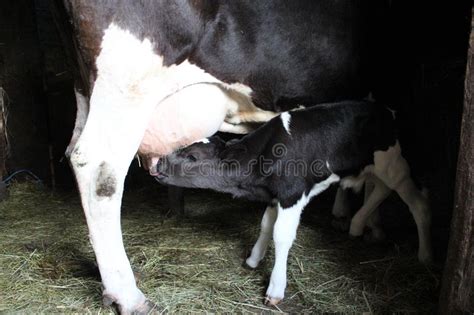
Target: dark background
422,75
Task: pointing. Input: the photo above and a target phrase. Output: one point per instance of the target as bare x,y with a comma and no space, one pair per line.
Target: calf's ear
233,152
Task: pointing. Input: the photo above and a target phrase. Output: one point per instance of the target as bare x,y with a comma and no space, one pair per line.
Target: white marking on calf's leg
260,247
286,120
284,233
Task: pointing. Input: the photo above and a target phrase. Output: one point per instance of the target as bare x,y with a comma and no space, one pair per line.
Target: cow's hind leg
131,82
100,161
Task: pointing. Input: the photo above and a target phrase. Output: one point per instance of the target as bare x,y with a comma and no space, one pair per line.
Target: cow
135,56
295,157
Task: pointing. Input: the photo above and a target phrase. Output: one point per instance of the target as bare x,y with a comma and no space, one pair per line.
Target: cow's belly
187,116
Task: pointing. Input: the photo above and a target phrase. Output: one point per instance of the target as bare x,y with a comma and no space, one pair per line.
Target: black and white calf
295,157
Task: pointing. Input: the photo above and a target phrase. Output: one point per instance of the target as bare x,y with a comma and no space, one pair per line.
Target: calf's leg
373,222
359,220
260,247
419,207
341,210
393,170
284,233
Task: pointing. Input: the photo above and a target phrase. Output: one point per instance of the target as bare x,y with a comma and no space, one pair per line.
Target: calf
295,157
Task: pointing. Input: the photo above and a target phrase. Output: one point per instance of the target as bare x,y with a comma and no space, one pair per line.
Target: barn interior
194,263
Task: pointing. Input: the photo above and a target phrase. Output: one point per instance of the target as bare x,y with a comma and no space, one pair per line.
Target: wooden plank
3,133
457,293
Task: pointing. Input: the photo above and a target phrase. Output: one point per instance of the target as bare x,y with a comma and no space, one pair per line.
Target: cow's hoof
269,301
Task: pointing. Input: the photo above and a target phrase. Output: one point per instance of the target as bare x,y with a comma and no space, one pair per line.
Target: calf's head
195,166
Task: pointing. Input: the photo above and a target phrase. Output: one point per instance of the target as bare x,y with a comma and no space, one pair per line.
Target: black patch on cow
287,52
106,182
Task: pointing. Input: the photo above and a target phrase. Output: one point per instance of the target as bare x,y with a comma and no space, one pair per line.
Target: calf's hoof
425,258
251,263
269,301
143,308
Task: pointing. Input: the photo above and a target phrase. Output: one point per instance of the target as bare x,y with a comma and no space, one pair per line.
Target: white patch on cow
286,120
240,88
241,108
204,140
284,233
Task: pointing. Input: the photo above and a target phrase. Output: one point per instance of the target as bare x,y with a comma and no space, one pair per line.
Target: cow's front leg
284,233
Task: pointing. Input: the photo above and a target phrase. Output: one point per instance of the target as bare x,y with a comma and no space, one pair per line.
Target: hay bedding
194,265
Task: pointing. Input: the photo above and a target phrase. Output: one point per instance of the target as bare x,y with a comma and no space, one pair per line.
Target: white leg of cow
284,233
260,247
100,161
124,94
419,208
359,220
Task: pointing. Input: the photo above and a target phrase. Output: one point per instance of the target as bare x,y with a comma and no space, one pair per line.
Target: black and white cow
295,157
163,74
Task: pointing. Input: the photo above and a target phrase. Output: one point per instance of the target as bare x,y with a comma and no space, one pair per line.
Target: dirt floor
195,264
